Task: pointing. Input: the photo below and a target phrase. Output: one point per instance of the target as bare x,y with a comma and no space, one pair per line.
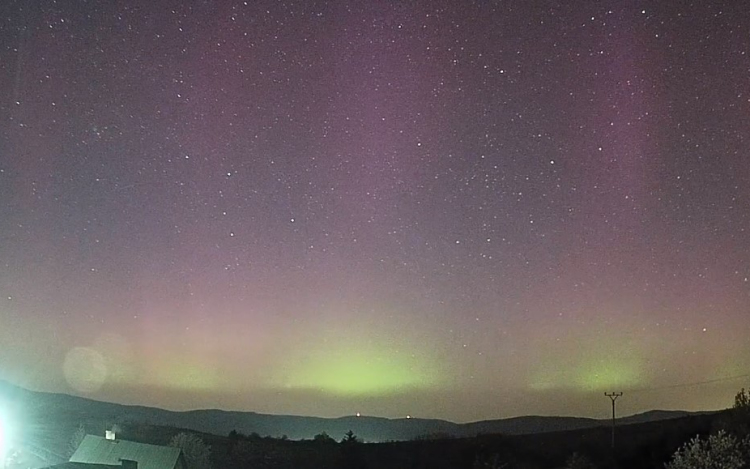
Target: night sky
463,210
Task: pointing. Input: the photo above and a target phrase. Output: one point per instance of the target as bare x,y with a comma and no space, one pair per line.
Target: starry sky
462,210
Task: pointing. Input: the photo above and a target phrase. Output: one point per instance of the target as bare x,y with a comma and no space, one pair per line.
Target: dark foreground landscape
51,421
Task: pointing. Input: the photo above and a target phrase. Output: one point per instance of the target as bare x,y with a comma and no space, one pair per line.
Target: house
97,452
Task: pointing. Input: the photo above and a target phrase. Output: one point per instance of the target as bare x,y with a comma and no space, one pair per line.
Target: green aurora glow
346,370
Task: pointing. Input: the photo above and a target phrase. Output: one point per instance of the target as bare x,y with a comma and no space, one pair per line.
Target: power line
613,396
695,383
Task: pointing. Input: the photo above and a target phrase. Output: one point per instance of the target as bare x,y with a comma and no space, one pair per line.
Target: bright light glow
6,434
3,440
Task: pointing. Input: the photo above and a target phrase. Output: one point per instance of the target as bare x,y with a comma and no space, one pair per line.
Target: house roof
98,450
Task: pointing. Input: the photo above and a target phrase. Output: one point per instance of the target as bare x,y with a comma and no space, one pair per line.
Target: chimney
129,464
109,434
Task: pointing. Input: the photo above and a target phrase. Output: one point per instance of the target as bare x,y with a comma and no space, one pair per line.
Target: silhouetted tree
738,420
196,453
720,451
323,437
742,400
352,452
349,438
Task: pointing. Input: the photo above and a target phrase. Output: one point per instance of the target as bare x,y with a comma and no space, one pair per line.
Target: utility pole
613,396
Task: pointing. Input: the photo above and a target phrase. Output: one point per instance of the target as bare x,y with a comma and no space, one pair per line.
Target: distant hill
69,411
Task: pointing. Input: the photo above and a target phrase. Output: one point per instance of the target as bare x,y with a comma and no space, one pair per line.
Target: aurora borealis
460,210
